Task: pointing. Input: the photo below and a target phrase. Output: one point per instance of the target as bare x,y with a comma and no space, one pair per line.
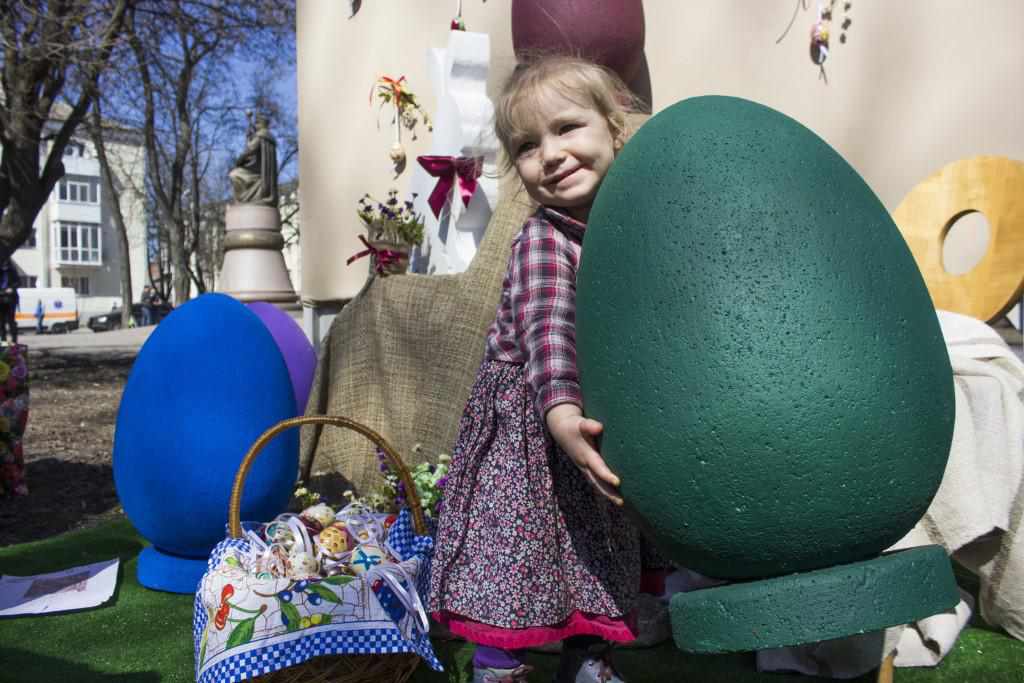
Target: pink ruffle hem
619,630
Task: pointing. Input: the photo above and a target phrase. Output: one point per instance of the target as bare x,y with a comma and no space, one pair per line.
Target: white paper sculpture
463,131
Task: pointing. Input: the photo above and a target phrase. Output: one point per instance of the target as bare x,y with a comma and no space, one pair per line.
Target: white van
60,308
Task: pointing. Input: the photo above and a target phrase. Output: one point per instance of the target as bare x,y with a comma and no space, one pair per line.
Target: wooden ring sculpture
993,186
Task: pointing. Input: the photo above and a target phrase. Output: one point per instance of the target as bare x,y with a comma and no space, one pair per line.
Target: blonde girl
532,544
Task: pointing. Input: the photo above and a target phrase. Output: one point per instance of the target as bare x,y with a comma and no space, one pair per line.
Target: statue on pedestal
254,176
253,267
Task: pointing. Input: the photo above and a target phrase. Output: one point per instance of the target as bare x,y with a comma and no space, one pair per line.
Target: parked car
113,319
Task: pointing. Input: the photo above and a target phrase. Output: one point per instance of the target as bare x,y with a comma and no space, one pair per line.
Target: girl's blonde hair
578,80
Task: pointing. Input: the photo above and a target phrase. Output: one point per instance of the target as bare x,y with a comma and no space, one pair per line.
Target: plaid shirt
536,320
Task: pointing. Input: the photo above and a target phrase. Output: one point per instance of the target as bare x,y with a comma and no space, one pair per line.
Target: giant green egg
756,338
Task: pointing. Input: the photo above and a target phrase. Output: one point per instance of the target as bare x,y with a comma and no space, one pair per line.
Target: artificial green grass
142,636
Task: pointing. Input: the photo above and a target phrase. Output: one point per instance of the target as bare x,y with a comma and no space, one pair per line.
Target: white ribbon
358,520
393,575
262,556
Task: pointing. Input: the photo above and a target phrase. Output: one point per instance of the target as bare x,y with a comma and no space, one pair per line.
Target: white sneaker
586,666
597,670
493,675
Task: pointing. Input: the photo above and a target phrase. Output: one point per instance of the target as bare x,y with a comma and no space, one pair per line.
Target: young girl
532,546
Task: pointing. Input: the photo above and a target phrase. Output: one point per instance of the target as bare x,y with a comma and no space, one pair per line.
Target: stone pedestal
254,268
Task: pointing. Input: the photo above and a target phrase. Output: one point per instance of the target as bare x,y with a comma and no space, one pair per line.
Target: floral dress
527,551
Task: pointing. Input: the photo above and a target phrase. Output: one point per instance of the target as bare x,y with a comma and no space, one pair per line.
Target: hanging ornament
819,37
821,30
407,114
457,23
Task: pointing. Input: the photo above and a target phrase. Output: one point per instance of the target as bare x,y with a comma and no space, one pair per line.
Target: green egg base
895,588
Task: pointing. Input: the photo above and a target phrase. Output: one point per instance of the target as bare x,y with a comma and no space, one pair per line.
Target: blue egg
208,381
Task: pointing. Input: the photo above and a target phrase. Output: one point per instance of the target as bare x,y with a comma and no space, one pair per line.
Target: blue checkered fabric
259,661
199,621
334,639
406,543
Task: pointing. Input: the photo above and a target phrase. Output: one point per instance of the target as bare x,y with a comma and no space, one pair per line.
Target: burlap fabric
401,356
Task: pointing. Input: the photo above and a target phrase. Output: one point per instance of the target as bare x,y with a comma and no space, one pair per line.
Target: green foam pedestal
896,588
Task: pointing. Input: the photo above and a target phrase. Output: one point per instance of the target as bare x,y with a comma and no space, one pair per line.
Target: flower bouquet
429,479
393,229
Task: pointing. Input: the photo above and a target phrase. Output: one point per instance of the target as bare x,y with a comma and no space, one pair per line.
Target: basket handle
234,508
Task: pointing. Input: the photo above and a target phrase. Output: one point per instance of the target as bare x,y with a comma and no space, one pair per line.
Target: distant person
9,282
156,307
40,315
147,305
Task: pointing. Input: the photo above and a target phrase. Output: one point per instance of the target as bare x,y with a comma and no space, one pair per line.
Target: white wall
917,85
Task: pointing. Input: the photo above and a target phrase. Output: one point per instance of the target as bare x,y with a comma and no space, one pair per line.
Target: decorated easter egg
366,556
321,513
335,539
302,565
756,339
207,382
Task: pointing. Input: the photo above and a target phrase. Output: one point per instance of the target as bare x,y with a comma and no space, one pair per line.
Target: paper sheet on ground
69,589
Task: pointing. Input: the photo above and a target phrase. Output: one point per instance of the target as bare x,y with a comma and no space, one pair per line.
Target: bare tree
112,189
51,49
182,51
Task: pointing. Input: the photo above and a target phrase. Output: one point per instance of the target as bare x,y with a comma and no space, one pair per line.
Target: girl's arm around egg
576,436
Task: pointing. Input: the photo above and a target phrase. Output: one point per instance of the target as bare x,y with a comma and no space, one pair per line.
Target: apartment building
74,241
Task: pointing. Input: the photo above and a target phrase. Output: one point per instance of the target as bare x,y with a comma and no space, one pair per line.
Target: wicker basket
383,668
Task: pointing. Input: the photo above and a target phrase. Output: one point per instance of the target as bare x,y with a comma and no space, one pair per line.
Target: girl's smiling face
564,153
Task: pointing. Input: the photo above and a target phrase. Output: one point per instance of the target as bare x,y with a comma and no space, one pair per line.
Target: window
29,281
31,241
78,243
79,191
74,149
79,284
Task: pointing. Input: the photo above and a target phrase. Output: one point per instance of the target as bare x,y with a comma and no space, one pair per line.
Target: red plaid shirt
536,320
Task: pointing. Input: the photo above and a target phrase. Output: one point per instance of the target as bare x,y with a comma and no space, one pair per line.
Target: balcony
77,244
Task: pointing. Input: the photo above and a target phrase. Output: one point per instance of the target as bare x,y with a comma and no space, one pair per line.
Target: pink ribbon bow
385,257
450,171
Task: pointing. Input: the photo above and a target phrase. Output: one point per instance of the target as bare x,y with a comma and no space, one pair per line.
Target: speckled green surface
755,337
897,588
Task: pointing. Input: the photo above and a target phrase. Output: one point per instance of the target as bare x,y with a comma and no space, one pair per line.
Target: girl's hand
576,436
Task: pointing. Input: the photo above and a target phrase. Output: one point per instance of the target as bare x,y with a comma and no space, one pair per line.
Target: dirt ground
68,442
